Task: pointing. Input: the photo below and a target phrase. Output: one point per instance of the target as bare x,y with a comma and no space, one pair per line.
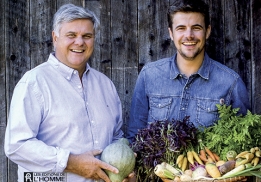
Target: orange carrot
216,156
203,158
203,153
210,154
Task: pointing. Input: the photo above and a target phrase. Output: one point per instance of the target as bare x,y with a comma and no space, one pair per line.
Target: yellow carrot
196,157
184,164
190,157
180,158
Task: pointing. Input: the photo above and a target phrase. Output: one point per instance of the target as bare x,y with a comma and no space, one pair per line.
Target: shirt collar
65,70
203,71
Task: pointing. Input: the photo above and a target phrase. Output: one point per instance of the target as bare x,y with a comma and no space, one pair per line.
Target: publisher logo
44,177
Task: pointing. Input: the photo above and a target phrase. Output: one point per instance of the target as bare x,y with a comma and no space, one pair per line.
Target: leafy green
232,131
161,141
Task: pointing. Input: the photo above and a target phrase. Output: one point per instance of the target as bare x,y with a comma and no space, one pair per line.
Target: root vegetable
231,155
242,154
190,157
210,154
227,166
219,163
233,171
199,172
162,172
212,170
184,164
196,157
185,177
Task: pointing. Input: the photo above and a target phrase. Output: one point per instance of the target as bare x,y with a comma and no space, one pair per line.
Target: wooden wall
133,33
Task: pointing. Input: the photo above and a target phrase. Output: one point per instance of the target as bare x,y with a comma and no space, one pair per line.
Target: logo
28,177
44,177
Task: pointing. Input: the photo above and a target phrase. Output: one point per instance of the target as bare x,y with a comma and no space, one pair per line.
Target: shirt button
96,141
67,77
74,72
79,86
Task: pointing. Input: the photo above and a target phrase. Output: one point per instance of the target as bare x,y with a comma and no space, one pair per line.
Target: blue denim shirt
163,93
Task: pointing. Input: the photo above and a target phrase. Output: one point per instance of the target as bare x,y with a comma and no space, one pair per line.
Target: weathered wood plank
256,47
75,2
154,41
3,109
215,43
237,38
101,58
18,54
41,16
124,50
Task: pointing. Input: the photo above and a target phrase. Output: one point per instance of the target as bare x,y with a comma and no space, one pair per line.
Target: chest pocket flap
160,107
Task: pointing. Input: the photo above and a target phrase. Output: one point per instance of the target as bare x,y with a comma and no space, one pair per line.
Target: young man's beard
184,55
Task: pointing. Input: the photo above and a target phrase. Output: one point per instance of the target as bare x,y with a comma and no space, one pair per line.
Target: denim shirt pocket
207,112
160,108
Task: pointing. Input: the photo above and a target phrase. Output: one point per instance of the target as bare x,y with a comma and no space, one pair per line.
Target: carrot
180,158
212,170
203,158
216,156
203,155
196,157
184,163
210,154
190,157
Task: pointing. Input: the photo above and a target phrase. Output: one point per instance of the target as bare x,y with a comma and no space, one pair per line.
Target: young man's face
75,43
189,34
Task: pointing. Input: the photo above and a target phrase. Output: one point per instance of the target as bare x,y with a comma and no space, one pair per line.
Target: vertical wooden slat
256,55
154,41
41,16
124,50
3,109
75,2
101,58
18,54
215,43
237,38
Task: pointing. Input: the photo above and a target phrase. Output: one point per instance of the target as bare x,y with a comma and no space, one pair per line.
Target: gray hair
69,12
